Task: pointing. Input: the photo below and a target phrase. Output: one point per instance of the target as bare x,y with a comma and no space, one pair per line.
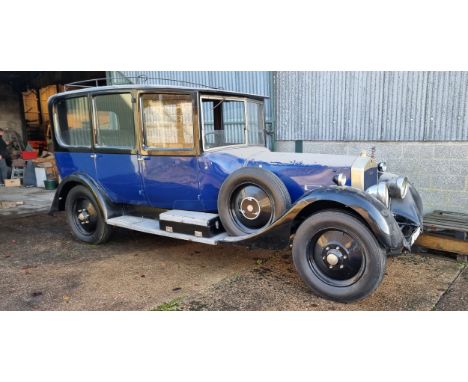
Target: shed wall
372,106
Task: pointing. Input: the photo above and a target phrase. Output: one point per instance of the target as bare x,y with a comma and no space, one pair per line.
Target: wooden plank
437,220
444,227
447,221
442,243
460,218
448,215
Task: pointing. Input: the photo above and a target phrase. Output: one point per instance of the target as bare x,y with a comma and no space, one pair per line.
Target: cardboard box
12,182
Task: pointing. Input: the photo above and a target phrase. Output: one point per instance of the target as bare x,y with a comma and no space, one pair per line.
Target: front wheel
338,257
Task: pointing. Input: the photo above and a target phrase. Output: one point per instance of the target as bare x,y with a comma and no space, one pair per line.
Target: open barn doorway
23,103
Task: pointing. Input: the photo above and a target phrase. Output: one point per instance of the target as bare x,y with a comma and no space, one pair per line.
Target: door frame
130,151
112,150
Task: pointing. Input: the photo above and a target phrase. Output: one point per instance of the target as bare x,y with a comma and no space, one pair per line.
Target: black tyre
85,217
250,199
338,257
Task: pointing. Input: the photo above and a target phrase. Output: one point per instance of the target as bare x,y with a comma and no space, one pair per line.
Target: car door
117,165
73,132
169,150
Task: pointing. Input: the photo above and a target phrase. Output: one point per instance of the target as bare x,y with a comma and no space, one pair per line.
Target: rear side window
114,121
73,122
168,121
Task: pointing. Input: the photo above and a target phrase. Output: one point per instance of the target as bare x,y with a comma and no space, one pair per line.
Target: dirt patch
43,268
412,282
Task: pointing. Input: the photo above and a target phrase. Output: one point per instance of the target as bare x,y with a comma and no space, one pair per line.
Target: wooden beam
443,243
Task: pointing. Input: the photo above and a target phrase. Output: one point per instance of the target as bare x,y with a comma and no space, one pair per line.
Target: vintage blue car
192,164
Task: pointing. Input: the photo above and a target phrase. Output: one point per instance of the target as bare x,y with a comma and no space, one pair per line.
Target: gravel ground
43,268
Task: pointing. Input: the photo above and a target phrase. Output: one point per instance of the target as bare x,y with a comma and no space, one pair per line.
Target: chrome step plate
152,226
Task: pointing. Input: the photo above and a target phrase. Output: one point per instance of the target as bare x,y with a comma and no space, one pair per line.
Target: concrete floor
43,268
36,200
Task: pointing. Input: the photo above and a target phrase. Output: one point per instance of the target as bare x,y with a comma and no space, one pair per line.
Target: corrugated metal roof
361,106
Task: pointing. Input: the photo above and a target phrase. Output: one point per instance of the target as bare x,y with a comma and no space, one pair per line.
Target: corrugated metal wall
372,106
247,82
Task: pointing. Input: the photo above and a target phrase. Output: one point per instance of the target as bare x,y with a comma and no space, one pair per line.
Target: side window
224,122
256,124
114,121
72,122
167,121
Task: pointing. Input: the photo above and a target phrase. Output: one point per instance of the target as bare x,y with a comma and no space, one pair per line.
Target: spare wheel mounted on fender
250,199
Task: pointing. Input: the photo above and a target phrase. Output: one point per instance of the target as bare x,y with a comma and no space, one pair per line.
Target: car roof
201,90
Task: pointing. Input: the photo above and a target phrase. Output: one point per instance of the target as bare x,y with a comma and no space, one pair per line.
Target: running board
152,226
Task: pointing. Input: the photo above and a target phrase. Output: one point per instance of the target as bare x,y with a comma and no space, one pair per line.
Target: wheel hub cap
83,215
332,259
250,208
336,257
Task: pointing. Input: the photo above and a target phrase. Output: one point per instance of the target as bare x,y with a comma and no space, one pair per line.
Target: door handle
93,156
141,158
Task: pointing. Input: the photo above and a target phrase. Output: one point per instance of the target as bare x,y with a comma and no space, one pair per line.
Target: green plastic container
50,184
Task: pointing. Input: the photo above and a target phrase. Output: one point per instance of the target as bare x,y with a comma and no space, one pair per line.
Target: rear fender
108,208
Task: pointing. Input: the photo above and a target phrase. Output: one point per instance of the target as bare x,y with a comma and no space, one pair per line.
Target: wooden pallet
446,231
451,223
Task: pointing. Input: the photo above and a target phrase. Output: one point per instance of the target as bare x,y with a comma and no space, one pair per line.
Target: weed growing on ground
168,306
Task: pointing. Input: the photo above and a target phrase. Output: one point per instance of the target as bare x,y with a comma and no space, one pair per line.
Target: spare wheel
250,199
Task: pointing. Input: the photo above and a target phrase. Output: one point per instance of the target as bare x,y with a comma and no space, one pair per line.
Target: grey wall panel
372,106
329,105
404,103
446,112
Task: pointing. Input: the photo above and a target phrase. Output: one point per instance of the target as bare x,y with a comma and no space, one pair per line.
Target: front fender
108,208
377,217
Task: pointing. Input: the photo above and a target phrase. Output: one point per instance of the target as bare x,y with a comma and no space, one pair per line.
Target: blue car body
193,183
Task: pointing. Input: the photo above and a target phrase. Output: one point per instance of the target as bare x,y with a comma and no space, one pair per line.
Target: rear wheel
338,257
84,216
